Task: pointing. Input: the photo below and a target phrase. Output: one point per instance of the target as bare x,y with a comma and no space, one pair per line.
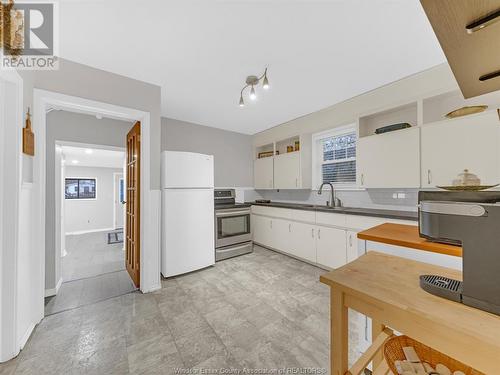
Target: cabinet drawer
366,222
326,218
302,215
272,211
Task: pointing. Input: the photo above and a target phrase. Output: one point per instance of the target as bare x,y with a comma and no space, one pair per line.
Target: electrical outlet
394,195
401,195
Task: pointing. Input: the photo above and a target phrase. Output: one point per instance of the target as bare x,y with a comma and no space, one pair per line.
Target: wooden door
133,225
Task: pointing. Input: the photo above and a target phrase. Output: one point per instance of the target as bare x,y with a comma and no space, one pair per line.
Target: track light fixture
251,82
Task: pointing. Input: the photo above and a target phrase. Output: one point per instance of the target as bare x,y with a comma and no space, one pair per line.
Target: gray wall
94,84
86,82
233,155
92,214
71,127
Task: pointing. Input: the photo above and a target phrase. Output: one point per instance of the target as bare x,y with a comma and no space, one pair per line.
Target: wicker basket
393,351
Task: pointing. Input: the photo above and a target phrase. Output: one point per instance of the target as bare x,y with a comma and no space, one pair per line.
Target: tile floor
90,255
92,270
89,290
261,310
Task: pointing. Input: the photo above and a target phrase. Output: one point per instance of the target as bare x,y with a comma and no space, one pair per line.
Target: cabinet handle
319,234
429,176
296,182
289,227
312,232
350,240
362,178
271,224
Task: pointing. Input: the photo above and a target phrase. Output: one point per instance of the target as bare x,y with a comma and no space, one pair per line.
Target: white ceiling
97,157
319,52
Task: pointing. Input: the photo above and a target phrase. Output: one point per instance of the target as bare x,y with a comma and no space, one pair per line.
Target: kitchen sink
330,208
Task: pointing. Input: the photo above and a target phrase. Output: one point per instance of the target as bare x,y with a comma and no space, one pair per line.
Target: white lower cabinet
319,244
280,234
351,245
261,229
303,241
326,239
331,247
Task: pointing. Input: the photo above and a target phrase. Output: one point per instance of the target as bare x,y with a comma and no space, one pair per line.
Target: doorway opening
91,189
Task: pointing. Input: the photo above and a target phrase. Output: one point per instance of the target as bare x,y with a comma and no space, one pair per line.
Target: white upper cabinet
390,160
287,171
263,173
284,164
450,146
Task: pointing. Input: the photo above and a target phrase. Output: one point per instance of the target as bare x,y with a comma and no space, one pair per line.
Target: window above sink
334,157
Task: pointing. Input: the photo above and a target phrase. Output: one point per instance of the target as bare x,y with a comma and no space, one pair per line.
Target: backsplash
371,198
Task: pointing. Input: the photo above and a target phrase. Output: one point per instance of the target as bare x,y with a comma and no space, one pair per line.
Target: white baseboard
89,231
26,335
152,289
53,292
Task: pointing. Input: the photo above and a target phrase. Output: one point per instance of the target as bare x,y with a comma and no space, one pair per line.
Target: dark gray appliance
233,234
472,220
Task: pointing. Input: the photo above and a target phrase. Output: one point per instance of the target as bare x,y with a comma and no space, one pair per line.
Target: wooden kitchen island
386,289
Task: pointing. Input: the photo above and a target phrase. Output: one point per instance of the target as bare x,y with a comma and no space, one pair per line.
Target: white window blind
336,158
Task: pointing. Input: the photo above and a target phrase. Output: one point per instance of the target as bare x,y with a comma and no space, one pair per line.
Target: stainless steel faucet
334,201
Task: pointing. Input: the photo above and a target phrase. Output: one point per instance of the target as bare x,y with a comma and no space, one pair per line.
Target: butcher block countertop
386,288
406,236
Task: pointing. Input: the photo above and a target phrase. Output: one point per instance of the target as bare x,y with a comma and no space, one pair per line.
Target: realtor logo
27,35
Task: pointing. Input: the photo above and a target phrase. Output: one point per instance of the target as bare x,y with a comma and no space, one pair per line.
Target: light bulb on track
253,96
265,83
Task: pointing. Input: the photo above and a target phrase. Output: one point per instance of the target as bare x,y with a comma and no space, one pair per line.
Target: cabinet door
390,160
451,146
287,171
303,241
280,235
261,229
352,246
331,247
263,173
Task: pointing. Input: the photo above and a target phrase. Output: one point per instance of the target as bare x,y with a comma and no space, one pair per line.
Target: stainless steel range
233,235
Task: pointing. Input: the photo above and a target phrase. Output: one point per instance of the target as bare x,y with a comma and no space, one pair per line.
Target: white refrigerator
187,212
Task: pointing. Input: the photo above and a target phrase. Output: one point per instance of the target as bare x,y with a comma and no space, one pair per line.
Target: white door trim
150,250
10,191
115,198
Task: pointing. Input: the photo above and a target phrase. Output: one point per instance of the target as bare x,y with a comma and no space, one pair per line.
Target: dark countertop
227,206
390,214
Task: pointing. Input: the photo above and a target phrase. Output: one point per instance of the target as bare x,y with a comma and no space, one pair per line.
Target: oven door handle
233,248
232,213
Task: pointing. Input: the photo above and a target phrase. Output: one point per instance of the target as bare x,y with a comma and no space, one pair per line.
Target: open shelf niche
267,148
281,146
404,113
435,108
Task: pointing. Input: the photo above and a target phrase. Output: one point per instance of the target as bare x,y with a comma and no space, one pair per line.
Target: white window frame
317,155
